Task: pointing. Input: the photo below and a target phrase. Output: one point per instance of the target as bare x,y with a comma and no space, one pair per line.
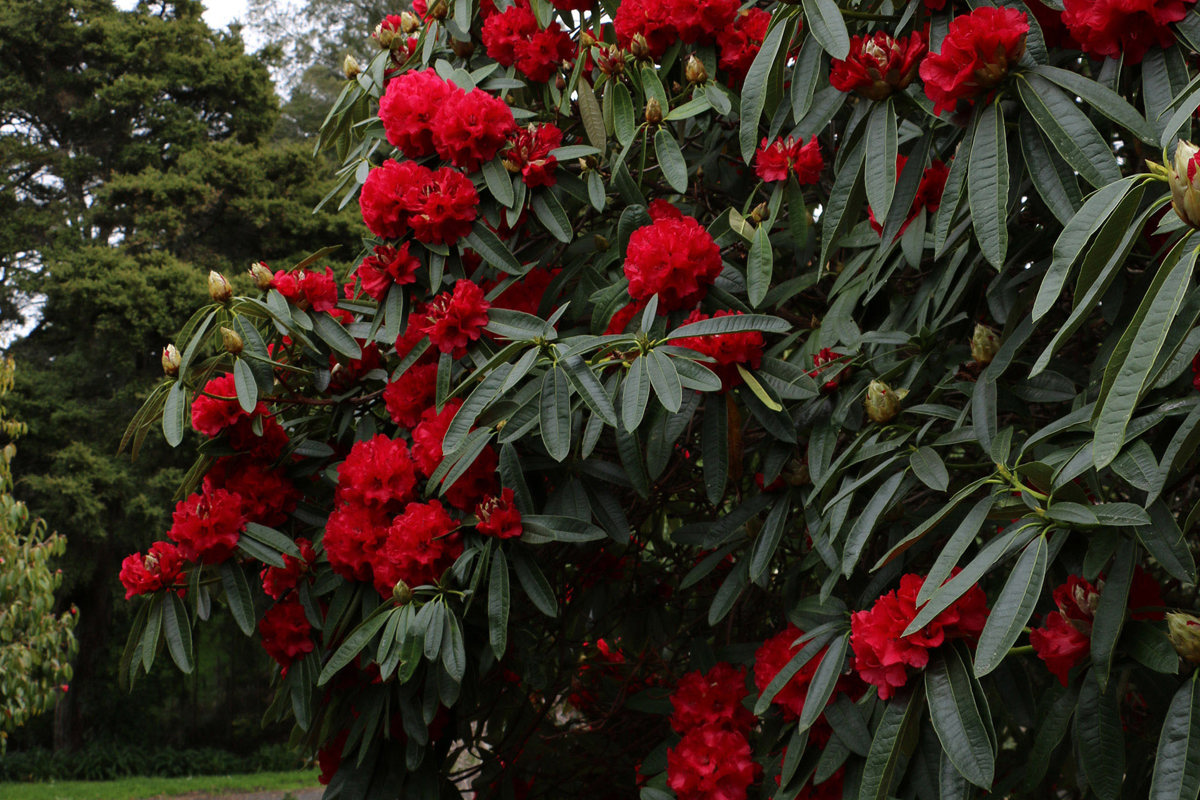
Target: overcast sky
219,14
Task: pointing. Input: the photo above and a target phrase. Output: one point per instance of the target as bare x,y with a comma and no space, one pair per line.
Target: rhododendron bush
781,400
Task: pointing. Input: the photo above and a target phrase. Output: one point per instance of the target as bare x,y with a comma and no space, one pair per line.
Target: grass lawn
140,788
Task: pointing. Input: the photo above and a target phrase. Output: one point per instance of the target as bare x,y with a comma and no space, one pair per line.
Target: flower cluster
726,349
712,760
513,37
208,525
739,43
976,55
1065,637
286,633
878,65
498,516
306,289
161,568
530,155
1121,28
673,257
387,267
882,654
438,205
454,319
278,581
424,114
774,161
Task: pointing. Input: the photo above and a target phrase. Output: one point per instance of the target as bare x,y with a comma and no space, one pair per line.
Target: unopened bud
385,36
587,40
610,60
231,341
171,360
1184,632
462,49
262,275
654,113
439,9
759,213
409,22
984,344
350,67
600,242
881,402
694,70
639,47
219,288
1185,183
401,593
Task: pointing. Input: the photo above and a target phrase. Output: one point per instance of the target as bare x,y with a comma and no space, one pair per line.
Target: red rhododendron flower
773,655
1054,30
346,373
353,536
572,5
410,394
541,55
160,568
832,788
453,320
390,193
699,21
443,209
385,268
377,474
329,757
503,32
477,483
305,289
625,315
428,435
711,698
217,409
1061,644
421,545
878,65
278,581
663,209
882,654
976,55
727,349
711,763
498,516
651,19
471,127
739,43
526,292
286,633
833,375
207,526
408,107
267,495
267,445
774,160
1124,29
676,259
530,154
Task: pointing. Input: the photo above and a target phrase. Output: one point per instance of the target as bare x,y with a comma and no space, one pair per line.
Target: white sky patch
218,13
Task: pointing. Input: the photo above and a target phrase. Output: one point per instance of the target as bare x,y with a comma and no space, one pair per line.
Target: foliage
35,644
742,362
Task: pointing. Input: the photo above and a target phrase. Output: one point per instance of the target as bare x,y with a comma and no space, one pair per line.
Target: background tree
137,157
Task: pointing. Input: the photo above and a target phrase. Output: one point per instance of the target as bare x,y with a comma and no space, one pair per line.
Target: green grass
142,788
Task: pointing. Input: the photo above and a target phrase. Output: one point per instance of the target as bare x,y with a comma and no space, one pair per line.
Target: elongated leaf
864,526
1129,372
714,447
665,380
815,641
555,413
1100,739
334,335
1013,607
880,170
174,419
928,466
177,629
635,393
962,538
768,538
354,644
1177,763
896,726
670,160
754,96
1103,99
952,193
494,251
1110,612
454,651
760,264
623,117
987,185
590,389
498,604
925,527
957,718
499,182
245,385
1069,130
824,681
732,323
1054,180
534,582
824,19
593,116
1165,541
151,630
237,593
550,213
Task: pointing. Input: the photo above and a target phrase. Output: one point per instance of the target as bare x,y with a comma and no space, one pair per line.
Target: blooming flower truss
716,402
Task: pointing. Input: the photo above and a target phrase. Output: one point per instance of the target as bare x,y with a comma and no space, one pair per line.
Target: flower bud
984,344
350,67
385,35
439,9
759,213
600,242
654,113
610,60
262,275
1185,183
694,70
881,402
462,49
219,288
639,47
171,360
231,341
1184,632
409,22
402,594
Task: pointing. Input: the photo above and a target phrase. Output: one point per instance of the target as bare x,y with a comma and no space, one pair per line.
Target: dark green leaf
897,726
760,264
928,466
957,718
1099,738
1013,607
670,160
530,576
768,538
880,170
754,95
1177,762
665,380
334,335
354,644
555,413
498,604
178,631
825,21
237,594
1069,130
635,393
987,185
